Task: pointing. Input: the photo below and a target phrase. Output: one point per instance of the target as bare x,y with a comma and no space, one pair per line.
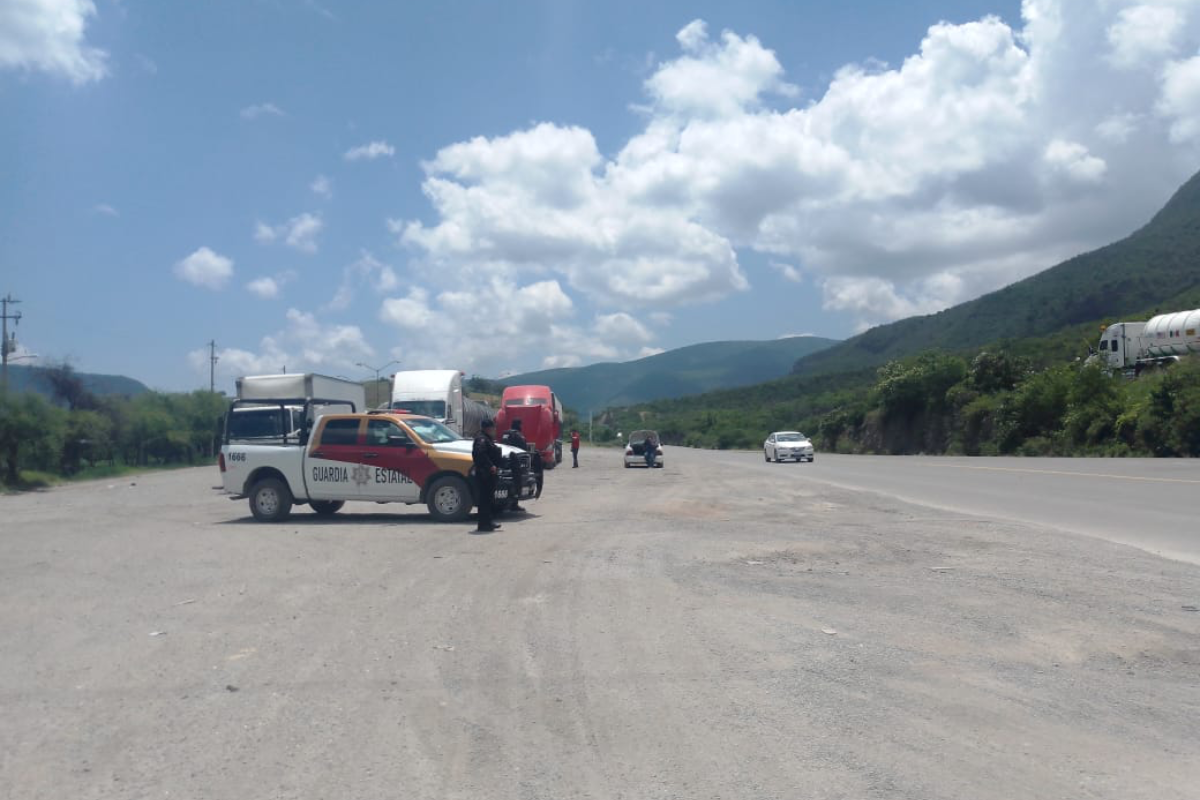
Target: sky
345,187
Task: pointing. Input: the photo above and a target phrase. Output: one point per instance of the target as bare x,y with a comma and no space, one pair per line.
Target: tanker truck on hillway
1136,346
438,393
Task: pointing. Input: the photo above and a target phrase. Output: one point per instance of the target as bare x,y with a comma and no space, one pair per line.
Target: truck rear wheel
327,508
270,500
449,499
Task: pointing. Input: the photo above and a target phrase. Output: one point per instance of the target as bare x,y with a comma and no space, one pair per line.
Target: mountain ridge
1148,269
692,369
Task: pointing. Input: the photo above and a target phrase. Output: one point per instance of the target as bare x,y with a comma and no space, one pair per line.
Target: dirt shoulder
687,632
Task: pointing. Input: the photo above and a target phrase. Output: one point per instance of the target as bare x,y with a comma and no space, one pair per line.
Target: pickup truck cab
379,457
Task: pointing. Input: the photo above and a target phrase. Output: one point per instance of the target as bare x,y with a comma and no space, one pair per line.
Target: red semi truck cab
540,412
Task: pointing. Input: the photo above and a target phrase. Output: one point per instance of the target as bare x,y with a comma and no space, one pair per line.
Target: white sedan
784,445
635,450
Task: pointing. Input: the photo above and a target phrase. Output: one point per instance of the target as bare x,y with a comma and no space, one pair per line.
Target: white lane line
1061,472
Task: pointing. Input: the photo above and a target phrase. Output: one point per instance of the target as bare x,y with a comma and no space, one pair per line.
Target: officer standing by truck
486,456
513,437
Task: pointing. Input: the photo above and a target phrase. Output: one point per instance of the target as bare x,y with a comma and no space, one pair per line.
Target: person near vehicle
486,456
513,437
650,449
574,447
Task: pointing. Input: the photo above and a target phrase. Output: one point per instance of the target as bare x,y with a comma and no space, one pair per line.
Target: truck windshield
526,401
428,408
431,431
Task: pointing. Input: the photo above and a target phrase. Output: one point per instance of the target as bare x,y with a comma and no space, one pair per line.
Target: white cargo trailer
281,409
438,393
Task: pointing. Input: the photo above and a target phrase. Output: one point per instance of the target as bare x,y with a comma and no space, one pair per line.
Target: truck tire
327,508
270,500
449,499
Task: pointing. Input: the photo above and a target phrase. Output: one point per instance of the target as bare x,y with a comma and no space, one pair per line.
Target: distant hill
1157,267
686,371
23,378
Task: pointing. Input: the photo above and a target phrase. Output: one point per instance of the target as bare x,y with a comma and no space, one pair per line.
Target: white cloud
299,232
990,153
1180,100
105,209
269,287
1074,160
264,233
147,64
788,271
716,80
266,288
370,152
1144,34
621,329
322,186
379,277
304,345
48,36
262,110
205,268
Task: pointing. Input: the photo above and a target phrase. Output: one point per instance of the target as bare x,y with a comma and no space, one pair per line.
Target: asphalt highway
1152,504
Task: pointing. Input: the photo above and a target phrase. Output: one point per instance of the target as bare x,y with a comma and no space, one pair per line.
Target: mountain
688,370
1155,268
23,378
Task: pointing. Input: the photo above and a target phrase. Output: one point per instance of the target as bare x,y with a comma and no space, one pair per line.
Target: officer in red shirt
575,447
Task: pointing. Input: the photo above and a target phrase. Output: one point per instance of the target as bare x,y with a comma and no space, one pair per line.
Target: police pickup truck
378,457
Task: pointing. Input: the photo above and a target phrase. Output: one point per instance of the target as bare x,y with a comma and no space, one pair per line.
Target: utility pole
7,345
213,358
376,370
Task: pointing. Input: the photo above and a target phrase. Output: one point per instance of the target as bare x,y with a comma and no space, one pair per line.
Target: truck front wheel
270,500
449,499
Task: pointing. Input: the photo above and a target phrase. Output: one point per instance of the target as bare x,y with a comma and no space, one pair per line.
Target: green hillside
675,373
1156,268
1003,374
22,378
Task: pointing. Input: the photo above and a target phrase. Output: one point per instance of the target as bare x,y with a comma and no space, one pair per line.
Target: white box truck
281,409
438,393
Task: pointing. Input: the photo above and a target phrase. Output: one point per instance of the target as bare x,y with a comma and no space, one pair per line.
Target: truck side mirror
400,440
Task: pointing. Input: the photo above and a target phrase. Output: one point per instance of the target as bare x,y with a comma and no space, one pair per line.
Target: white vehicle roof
422,383
301,386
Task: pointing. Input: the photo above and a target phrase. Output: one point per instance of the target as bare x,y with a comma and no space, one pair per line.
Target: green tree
31,431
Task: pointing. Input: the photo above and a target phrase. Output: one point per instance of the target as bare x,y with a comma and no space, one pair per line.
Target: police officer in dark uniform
513,437
486,456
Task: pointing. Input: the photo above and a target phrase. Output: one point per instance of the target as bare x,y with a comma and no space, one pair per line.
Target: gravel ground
688,632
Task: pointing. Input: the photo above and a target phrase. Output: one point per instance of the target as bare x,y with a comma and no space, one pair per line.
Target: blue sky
500,187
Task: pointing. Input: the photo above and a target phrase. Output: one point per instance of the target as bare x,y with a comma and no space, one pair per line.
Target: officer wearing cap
514,438
486,456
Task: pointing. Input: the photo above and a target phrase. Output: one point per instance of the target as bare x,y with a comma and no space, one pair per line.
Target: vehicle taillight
221,461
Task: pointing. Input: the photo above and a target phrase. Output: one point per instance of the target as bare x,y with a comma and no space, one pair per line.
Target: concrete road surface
1148,503
720,628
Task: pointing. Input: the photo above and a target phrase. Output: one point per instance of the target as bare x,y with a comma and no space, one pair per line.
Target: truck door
397,464
334,467
1116,353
